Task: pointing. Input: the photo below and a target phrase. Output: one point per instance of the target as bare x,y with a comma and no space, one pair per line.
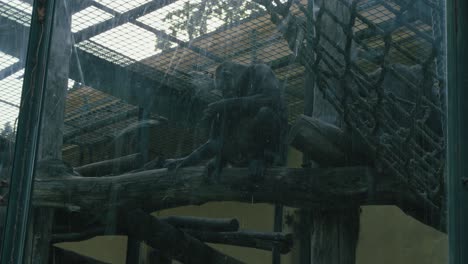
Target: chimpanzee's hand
212,110
172,164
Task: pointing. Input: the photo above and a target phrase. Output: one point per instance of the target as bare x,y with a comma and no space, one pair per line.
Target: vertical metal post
309,94
27,138
457,155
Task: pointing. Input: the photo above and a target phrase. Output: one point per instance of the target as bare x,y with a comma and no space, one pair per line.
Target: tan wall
387,235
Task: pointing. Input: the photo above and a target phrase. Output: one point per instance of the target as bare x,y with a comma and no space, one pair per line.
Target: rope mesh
403,133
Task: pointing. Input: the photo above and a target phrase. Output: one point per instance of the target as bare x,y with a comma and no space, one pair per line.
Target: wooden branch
202,224
106,167
320,188
74,232
78,236
251,239
327,144
170,240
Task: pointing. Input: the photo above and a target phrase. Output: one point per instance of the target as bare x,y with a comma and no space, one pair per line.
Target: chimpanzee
248,124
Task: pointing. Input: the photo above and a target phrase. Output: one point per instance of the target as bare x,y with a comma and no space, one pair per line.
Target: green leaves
193,19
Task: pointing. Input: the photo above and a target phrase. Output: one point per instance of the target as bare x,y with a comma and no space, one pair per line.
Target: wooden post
332,235
51,133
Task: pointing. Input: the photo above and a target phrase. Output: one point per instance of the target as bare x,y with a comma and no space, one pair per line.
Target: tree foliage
194,17
7,132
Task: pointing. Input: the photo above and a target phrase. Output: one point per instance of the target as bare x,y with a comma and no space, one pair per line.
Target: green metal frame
21,184
457,69
14,239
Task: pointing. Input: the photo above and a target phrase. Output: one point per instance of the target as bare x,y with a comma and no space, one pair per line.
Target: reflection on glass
242,131
15,17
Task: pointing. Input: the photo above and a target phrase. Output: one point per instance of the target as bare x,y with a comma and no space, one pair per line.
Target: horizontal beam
11,69
120,19
13,38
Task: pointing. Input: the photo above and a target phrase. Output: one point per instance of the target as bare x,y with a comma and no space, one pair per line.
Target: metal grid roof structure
120,38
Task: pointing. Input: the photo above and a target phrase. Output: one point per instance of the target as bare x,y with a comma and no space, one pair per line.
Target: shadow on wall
388,236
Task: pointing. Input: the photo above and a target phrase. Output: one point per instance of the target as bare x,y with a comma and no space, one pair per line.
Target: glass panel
243,131
15,19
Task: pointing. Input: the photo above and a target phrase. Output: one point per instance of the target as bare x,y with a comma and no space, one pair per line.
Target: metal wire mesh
11,61
139,37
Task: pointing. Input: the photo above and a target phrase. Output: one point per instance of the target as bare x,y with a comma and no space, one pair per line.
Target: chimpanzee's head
227,79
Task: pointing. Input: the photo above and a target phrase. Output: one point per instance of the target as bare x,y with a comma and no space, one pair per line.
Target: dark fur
247,126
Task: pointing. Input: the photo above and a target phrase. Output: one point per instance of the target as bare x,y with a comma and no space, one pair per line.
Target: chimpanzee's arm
256,86
248,104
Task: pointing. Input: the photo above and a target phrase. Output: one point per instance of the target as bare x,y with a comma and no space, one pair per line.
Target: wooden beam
203,224
75,232
172,241
51,135
250,239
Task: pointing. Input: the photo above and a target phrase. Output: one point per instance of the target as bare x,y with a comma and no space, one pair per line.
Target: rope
412,152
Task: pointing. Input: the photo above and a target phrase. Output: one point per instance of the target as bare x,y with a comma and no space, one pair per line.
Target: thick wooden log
327,144
158,189
106,167
322,141
170,240
153,190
